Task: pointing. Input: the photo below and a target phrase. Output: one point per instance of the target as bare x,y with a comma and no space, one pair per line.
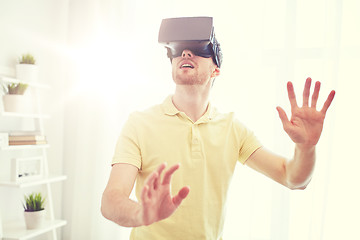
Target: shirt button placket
195,143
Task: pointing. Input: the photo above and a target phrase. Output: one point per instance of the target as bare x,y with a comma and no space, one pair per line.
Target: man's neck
192,100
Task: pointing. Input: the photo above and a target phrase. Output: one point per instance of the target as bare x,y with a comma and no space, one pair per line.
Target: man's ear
216,72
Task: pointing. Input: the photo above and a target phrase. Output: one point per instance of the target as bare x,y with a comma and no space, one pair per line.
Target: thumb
283,117
180,196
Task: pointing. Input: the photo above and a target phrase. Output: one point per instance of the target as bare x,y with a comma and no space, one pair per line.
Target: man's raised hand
156,200
306,123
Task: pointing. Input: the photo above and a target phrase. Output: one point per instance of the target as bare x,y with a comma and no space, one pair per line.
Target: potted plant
34,210
26,70
14,99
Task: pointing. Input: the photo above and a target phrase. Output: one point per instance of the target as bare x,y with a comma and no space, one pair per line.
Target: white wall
265,44
38,27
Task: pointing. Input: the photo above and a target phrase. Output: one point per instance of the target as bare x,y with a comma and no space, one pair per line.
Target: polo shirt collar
170,109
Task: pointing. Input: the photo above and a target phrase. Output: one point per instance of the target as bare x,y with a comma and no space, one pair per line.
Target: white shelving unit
31,84
23,115
19,147
16,230
44,180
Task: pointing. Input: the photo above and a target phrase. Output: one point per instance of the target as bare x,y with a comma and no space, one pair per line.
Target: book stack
27,139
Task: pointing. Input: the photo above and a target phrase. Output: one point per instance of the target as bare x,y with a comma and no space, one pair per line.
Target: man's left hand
306,123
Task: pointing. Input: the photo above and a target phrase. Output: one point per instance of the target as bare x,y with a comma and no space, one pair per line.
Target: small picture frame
26,169
4,139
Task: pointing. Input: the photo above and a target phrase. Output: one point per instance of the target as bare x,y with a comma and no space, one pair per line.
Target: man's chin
188,82
187,79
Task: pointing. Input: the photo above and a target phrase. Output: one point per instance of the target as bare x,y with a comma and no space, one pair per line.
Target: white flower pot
27,72
18,103
34,219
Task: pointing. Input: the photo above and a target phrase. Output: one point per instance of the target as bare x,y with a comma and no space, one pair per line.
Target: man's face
189,69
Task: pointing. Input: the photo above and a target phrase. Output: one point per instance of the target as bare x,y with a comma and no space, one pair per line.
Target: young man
187,131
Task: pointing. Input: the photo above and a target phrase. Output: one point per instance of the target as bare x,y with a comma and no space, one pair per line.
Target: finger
306,92
159,170
144,194
283,117
169,173
150,183
291,94
180,196
328,102
315,95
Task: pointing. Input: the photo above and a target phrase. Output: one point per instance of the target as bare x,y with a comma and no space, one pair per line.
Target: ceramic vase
34,220
27,72
18,103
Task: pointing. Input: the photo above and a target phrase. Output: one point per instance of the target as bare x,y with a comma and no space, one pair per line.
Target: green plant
34,202
27,59
15,88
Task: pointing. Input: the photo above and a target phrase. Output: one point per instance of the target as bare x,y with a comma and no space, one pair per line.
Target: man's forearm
121,209
299,169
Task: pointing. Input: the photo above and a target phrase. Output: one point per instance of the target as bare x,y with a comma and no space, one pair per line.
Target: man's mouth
186,65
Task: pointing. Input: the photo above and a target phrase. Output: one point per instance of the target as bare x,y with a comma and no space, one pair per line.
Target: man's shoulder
156,110
147,113
221,114
230,117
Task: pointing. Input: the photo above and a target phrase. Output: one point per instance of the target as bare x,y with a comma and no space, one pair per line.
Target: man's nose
187,54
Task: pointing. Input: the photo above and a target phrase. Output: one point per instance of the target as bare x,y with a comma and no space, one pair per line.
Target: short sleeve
248,143
127,147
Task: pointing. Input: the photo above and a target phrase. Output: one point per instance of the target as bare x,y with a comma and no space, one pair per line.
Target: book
27,138
33,142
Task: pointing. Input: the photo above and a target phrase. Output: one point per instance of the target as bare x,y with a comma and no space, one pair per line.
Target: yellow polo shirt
207,151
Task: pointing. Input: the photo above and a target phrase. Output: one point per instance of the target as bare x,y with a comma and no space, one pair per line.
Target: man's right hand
156,200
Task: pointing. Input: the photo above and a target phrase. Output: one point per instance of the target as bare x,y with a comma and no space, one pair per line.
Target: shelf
48,179
12,228
24,115
21,147
17,230
14,80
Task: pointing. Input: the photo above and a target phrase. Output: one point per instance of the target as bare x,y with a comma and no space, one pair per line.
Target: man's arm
293,173
156,200
304,128
115,204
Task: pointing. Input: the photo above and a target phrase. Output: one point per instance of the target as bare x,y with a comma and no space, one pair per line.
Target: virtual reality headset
192,33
